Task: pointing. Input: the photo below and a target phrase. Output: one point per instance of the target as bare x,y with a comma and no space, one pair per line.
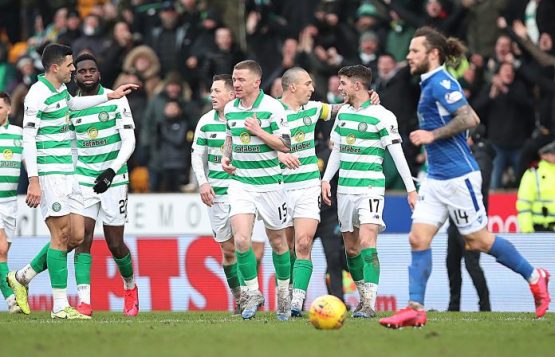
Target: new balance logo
445,83
212,136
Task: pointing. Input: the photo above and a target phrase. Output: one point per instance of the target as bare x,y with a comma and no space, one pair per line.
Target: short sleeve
449,94
125,118
388,129
278,124
200,143
33,106
324,111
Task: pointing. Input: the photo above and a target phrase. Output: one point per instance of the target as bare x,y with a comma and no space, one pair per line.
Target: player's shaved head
291,76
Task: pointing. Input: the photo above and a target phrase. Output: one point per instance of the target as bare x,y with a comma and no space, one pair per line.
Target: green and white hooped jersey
47,112
11,149
302,125
209,143
362,136
98,139
257,163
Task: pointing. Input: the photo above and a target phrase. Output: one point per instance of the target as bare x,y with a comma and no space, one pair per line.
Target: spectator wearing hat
536,194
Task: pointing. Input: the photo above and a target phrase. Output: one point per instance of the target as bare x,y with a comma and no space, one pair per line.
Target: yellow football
327,313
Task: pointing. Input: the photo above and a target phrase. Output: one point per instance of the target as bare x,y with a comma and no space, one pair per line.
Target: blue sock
419,272
506,254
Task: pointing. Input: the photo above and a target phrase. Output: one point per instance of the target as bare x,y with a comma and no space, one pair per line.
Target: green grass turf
220,334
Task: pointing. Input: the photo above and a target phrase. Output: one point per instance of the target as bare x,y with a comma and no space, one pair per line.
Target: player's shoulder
270,103
38,91
206,118
380,112
444,81
14,129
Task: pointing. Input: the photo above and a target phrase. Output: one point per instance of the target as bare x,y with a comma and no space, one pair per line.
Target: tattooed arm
465,118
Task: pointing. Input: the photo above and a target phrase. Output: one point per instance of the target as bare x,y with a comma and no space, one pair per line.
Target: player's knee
3,250
229,255
418,241
352,251
303,245
116,246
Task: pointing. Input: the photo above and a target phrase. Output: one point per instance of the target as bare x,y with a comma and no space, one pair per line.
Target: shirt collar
256,102
427,75
50,86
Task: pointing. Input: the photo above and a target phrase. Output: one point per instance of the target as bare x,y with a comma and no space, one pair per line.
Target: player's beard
422,68
87,88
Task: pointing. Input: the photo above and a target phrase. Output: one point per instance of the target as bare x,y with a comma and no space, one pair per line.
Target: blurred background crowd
173,48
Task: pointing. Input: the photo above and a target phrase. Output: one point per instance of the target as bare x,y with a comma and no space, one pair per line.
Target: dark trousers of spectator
334,251
455,252
171,180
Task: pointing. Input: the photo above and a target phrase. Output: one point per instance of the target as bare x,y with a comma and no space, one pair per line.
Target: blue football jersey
441,95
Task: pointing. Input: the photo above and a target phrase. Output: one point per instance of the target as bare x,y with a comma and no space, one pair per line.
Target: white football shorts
270,206
61,195
8,212
303,203
460,198
354,210
109,207
219,221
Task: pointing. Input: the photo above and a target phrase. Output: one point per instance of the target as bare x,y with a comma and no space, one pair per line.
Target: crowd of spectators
173,48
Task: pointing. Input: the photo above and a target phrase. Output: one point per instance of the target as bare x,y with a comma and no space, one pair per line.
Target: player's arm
198,159
226,156
465,118
332,166
126,130
84,102
31,124
280,141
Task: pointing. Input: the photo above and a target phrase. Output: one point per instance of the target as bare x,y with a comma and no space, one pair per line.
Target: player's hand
374,97
207,194
412,198
421,137
252,125
227,166
104,181
289,160
33,192
326,192
123,90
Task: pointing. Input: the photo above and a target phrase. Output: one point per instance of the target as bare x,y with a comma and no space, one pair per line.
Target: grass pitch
221,334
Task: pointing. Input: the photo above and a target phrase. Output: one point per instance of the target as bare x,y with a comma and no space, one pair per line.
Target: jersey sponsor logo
247,149
362,127
446,84
9,164
7,154
103,116
56,206
350,139
301,146
92,133
453,97
245,138
64,128
307,121
93,143
299,136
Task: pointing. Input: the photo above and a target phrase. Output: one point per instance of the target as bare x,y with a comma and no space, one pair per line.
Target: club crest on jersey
7,154
362,127
103,116
350,139
17,142
299,136
245,138
307,121
92,133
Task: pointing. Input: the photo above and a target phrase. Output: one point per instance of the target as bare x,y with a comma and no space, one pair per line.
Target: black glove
103,181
